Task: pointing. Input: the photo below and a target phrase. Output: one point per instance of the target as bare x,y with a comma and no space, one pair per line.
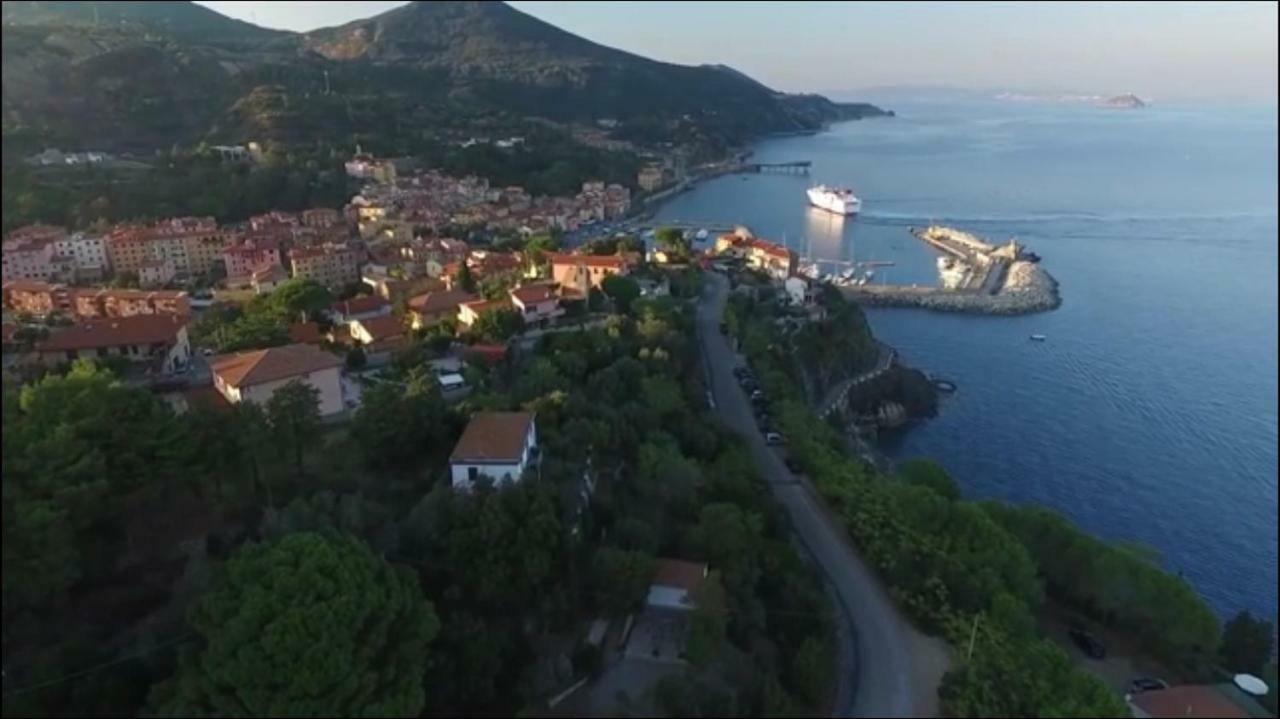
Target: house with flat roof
498,445
255,376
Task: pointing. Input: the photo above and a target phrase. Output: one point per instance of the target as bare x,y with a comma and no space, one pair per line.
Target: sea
1148,414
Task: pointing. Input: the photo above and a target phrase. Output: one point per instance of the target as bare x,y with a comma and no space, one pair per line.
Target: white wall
661,595
327,381
461,473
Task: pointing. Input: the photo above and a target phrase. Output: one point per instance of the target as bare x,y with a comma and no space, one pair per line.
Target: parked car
757,394
1088,643
793,465
771,437
1146,684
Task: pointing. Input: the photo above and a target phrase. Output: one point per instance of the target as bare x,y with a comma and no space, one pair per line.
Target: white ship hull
838,201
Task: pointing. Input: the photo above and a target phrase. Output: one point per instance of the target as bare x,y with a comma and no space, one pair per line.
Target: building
470,312
650,178
268,279
579,274
380,333
536,302
498,445
249,256
255,376
29,258
675,583
193,244
155,273
330,265
306,333
321,217
88,254
428,309
42,298
362,307
157,339
774,260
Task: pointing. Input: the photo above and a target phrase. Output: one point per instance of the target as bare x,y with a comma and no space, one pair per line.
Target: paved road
887,668
837,393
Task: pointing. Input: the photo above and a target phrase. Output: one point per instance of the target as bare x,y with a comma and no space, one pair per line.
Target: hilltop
142,76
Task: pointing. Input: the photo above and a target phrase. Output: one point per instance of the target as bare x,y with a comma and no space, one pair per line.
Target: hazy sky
1157,50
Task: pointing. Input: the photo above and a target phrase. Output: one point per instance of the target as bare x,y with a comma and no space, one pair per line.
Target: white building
158,340
536,302
255,376
498,445
87,252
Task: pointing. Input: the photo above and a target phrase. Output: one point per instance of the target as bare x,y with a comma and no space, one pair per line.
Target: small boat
1037,338
702,234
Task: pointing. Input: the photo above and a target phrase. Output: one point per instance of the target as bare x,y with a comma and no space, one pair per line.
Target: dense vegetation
979,571
155,562
263,321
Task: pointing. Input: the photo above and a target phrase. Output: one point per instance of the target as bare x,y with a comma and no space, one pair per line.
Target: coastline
1027,290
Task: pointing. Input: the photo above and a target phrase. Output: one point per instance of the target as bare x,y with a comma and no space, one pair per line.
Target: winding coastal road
884,360
887,668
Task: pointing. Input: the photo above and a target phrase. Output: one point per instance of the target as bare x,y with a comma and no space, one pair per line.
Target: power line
91,670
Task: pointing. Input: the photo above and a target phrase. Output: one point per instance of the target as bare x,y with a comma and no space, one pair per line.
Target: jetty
981,278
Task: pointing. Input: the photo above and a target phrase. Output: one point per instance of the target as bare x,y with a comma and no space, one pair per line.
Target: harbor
974,276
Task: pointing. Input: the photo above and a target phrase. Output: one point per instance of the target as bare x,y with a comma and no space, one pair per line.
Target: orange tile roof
770,248
116,331
383,327
493,437
360,305
249,368
1191,700
533,294
613,261
305,333
433,302
679,573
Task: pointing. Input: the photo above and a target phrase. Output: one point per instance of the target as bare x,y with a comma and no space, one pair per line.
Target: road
884,359
887,668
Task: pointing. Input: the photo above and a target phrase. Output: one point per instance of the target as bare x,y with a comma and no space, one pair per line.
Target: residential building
650,178
774,260
245,258
157,339
88,254
359,308
29,258
331,265
268,279
305,333
256,376
536,302
428,309
469,312
321,217
42,298
192,244
380,332
155,273
498,445
578,274
675,584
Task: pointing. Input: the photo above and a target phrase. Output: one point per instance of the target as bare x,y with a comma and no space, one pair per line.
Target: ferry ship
839,200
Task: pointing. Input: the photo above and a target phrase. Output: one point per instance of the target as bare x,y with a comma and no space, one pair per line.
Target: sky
1165,51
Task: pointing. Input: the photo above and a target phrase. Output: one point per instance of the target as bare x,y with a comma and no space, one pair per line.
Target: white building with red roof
255,376
498,445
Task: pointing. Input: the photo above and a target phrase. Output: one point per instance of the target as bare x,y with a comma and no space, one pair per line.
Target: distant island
1128,101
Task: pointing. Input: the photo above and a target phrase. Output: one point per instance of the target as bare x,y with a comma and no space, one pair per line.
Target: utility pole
326,82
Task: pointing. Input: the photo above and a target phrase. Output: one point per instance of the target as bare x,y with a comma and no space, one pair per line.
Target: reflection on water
824,235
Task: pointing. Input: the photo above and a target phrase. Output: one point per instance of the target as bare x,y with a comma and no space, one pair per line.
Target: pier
800,167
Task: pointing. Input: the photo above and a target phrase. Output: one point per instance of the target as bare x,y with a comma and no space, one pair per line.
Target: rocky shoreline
1027,289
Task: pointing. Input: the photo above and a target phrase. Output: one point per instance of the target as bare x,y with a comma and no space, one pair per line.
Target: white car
773,438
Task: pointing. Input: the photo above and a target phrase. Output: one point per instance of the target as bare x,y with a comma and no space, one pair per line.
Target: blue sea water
1149,414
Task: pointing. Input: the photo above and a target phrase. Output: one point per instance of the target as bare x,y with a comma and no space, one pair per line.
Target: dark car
1087,643
1146,684
793,465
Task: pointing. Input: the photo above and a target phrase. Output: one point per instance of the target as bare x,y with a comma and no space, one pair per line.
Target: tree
1246,643
710,617
811,669
397,425
622,290
621,578
928,473
308,625
356,359
294,413
301,298
672,240
464,279
498,325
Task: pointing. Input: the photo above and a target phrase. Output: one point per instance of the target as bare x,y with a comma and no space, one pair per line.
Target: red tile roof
493,437
487,353
249,368
482,306
115,332
533,294
770,248
360,305
433,302
679,573
1191,700
383,327
614,261
307,333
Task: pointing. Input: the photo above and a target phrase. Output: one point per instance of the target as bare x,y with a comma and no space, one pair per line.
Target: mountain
1129,102
145,75
184,21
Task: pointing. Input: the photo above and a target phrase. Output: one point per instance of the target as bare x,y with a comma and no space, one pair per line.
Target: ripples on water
1149,415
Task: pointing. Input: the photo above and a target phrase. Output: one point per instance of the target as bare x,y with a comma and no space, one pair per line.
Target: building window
473,473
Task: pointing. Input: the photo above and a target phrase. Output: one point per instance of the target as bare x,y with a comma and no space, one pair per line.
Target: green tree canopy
294,413
308,625
1246,643
498,325
622,290
301,299
928,473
